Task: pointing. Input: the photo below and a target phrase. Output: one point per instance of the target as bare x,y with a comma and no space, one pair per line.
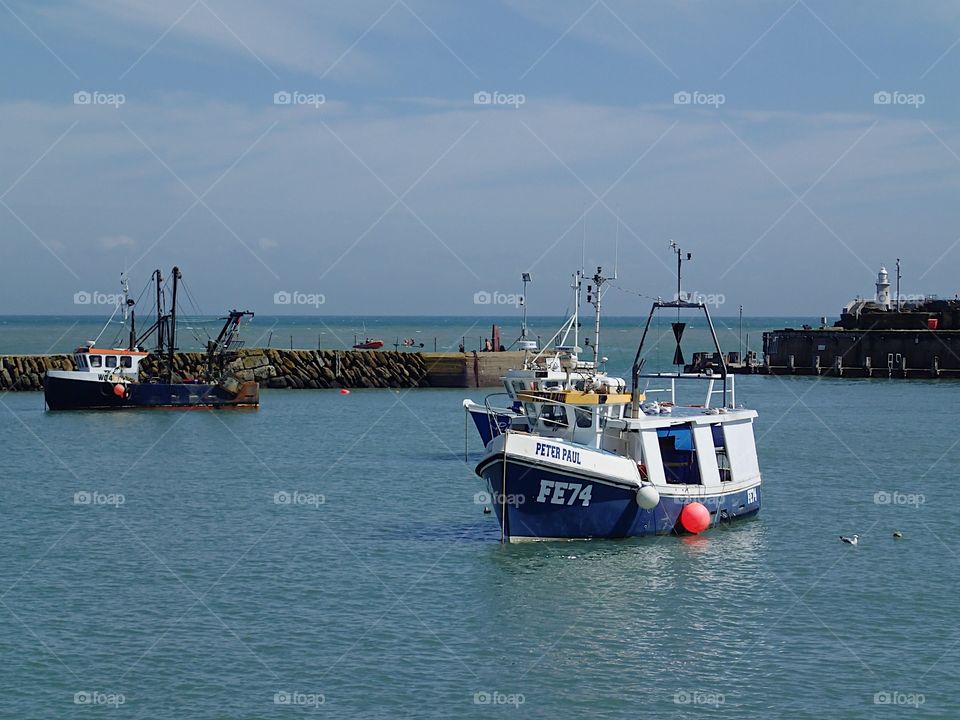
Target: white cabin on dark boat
98,364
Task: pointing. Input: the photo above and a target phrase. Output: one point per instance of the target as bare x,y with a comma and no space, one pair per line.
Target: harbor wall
304,369
862,353
470,370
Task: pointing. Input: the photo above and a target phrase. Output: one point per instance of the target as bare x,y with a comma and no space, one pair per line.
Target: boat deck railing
494,411
728,396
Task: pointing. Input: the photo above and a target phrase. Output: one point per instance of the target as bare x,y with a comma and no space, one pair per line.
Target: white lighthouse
883,289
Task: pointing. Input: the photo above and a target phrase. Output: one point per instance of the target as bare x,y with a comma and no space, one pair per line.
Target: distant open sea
620,335
150,568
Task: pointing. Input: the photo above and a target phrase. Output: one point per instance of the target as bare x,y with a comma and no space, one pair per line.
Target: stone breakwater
272,368
25,372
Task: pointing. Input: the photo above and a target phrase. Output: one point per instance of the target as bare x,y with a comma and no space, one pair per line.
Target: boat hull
63,393
537,502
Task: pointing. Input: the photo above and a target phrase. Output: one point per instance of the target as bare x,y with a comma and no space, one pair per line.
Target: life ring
643,471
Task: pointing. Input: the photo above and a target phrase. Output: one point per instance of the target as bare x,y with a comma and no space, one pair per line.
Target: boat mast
173,325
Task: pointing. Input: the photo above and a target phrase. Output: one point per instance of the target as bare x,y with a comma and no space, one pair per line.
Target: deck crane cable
195,307
631,292
648,297
107,324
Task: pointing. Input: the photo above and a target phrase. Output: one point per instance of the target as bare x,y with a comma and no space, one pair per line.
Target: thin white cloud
499,194
115,242
296,35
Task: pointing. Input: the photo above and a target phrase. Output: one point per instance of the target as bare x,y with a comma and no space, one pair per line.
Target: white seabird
852,540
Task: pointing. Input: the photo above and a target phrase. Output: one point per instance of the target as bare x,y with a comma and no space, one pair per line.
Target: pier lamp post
526,278
898,284
740,338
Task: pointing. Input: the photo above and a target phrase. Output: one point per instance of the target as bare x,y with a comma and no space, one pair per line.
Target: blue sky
789,179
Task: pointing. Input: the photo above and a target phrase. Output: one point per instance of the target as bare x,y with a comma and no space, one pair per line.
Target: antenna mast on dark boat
128,304
159,278
172,344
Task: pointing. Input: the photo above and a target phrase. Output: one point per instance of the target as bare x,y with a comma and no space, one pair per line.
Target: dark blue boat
110,378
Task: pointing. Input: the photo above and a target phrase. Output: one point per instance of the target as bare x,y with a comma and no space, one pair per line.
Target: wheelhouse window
554,415
126,361
110,361
723,462
584,417
679,456
95,360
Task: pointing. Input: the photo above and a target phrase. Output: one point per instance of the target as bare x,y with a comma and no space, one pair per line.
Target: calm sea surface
324,555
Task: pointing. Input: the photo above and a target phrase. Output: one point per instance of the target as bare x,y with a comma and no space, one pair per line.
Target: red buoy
344,391
695,518
118,390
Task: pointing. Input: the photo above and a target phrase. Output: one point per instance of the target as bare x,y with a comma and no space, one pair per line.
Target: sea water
327,554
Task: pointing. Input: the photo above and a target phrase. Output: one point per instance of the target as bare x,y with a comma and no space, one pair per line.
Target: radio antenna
616,249
583,245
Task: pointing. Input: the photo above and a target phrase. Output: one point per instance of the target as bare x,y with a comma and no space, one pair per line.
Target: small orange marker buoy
344,391
118,390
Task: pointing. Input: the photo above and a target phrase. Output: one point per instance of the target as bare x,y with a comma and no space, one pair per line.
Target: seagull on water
852,540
